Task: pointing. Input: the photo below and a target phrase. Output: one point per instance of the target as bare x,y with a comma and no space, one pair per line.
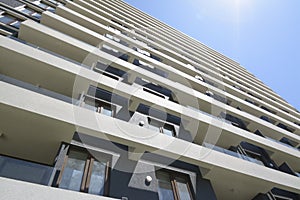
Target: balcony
102,101
217,97
277,194
30,180
150,68
234,154
155,89
111,72
146,53
253,154
25,171
267,119
116,39
280,125
235,121
282,143
114,52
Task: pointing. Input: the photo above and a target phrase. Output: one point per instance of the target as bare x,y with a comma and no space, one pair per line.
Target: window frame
162,125
100,105
255,155
87,172
14,20
172,178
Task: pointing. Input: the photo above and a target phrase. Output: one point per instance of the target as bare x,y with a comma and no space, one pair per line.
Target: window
150,67
285,127
44,6
31,12
155,89
168,129
16,24
55,2
280,194
7,19
200,78
113,38
10,20
267,119
105,109
146,53
100,106
36,15
82,172
114,52
288,142
161,127
27,11
110,71
221,98
297,123
257,157
281,198
173,186
267,109
252,102
252,94
235,121
100,100
154,124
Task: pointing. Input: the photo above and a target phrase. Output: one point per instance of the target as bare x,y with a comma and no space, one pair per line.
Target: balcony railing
282,143
25,171
232,153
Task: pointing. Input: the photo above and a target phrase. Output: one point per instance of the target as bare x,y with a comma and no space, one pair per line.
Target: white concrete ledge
19,190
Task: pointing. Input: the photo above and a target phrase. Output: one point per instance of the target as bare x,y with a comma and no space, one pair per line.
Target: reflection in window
30,12
183,189
173,186
16,24
7,19
168,129
73,172
81,172
44,6
10,20
27,11
165,191
97,180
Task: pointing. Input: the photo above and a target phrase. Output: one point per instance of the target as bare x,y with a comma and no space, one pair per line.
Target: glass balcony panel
25,170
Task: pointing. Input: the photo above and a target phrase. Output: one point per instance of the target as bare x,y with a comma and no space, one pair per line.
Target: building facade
102,101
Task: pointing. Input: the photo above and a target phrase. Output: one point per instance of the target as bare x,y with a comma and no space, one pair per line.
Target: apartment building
102,101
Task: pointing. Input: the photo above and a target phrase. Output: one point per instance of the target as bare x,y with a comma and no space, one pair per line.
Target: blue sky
262,35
